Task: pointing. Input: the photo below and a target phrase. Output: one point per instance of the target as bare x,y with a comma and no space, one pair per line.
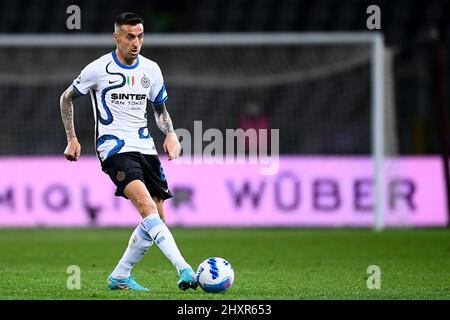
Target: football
215,275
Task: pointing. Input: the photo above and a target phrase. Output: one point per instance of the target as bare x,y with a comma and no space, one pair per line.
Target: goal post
291,41
378,130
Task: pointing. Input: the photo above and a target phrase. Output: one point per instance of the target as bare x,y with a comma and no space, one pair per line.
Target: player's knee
146,206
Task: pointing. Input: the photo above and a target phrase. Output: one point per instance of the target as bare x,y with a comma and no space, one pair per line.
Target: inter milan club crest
120,176
130,81
145,82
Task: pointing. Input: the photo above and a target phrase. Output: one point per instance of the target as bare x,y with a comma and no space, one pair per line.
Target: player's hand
172,146
73,150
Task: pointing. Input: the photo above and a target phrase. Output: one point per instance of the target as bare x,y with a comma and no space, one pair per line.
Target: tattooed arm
162,117
164,122
73,149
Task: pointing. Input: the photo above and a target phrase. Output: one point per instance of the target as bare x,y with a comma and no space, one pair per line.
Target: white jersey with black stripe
119,96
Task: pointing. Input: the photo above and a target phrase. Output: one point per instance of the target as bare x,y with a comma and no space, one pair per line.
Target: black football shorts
125,167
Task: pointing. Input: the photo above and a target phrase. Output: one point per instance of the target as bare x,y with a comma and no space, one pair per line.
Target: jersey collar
122,65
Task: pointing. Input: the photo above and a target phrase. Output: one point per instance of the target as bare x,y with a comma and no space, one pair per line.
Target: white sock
138,245
162,236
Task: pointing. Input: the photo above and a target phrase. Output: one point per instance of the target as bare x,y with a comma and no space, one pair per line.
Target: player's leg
139,242
138,245
160,206
124,170
137,192
187,276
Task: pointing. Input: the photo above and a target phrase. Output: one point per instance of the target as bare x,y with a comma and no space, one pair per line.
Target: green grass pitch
268,263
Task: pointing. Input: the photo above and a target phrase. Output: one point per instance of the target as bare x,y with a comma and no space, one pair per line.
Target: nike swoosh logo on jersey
110,82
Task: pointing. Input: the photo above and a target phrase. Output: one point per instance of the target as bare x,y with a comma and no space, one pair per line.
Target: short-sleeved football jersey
119,95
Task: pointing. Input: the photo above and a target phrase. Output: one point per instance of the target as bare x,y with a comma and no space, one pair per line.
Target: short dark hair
127,18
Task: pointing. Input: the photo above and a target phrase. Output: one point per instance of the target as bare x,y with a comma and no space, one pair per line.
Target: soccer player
120,83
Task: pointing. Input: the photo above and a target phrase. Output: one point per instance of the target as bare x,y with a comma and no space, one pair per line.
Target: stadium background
406,25
333,121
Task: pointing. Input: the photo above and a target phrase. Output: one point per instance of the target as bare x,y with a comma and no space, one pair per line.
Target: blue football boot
188,279
125,284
